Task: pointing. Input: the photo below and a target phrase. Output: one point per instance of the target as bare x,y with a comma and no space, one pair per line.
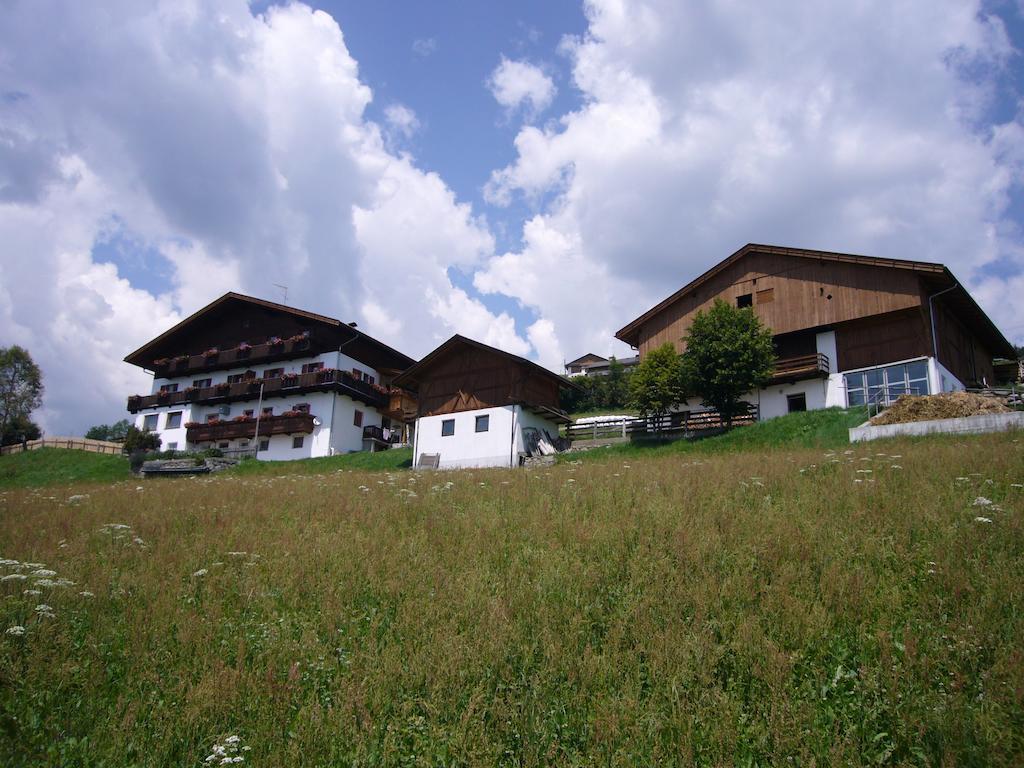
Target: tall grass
760,607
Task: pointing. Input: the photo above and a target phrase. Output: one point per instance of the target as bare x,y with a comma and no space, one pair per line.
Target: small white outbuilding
481,407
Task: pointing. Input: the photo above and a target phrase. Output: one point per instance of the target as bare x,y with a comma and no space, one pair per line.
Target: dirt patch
949,405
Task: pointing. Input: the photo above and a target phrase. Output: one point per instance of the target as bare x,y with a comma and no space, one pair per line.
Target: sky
533,175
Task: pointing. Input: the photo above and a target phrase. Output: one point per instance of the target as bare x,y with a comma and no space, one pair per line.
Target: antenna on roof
284,290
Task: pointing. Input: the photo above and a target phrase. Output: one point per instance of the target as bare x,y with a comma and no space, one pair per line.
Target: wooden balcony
328,380
790,369
256,354
301,424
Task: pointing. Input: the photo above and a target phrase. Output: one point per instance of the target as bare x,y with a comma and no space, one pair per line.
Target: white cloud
848,127
236,147
514,83
424,46
401,119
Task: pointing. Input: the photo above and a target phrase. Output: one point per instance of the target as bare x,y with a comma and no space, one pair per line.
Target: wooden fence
73,443
679,424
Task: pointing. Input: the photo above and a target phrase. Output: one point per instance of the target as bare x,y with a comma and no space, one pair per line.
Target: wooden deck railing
301,424
235,357
800,367
342,382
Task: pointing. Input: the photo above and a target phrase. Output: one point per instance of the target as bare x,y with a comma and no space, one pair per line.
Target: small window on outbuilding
298,440
795,403
447,427
483,423
265,444
357,418
745,300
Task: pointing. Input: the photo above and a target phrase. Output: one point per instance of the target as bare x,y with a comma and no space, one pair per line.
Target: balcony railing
232,358
801,367
330,379
377,433
269,425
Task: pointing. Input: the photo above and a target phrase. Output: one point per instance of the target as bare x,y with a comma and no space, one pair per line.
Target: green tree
616,385
140,440
728,353
21,386
656,386
19,428
115,432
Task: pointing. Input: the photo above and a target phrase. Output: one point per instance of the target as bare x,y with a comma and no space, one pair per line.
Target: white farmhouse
250,376
481,407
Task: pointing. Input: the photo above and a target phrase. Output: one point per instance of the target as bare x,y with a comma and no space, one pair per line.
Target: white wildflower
14,577
77,498
44,610
983,520
16,631
32,592
896,466
86,593
42,573
5,562
200,572
981,501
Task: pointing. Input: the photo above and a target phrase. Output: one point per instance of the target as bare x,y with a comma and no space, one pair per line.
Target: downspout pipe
931,316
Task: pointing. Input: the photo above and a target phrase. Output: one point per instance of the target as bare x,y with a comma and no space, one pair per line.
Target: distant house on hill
848,329
243,374
595,365
481,407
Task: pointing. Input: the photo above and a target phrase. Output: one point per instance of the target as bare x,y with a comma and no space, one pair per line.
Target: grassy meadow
764,606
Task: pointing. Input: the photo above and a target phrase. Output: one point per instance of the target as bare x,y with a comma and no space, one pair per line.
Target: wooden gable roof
934,276
235,317
463,374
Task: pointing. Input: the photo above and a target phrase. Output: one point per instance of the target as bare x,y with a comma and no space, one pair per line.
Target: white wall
467,447
772,400
500,446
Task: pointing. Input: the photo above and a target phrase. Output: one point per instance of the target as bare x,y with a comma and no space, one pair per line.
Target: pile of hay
949,405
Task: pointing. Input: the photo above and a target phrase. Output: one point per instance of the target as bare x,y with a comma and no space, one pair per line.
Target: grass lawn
60,466
759,605
827,428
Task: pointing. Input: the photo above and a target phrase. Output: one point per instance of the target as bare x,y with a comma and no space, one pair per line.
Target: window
265,444
357,374
796,403
273,373
298,440
149,422
211,417
235,378
746,300
166,388
357,418
250,412
368,378
884,385
223,446
483,423
202,383
172,446
310,367
173,420
301,407
268,411
447,427
768,294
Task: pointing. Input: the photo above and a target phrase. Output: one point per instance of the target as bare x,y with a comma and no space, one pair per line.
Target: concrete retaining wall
992,422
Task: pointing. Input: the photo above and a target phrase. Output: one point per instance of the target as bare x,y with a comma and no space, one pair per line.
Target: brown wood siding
960,350
800,290
879,340
473,378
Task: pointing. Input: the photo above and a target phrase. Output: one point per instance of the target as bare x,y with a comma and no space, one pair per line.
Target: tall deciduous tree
21,386
728,354
656,386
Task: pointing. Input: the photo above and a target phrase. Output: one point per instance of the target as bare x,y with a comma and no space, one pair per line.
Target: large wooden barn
848,329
